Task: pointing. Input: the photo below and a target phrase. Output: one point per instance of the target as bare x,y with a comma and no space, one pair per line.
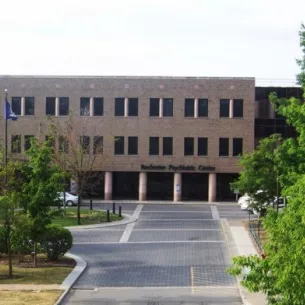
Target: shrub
56,241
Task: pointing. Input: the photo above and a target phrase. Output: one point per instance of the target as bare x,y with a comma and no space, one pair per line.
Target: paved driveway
179,247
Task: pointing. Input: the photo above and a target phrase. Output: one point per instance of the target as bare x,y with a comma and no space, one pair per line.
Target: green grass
87,217
38,275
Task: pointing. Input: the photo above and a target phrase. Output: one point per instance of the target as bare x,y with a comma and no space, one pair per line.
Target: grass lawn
29,297
87,217
46,272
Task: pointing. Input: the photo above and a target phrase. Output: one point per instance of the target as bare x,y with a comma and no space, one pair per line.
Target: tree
39,192
280,274
260,171
74,154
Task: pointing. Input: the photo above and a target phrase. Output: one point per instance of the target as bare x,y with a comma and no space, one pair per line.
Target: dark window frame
168,107
224,112
167,150
98,143
203,111
29,105
154,150
154,107
84,106
202,148
133,107
50,105
132,147
16,144
27,142
237,149
238,110
63,109
16,105
118,103
63,145
189,107
224,151
119,150
189,146
98,106
85,142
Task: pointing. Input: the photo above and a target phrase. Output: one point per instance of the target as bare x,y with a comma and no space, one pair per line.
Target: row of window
157,107
132,145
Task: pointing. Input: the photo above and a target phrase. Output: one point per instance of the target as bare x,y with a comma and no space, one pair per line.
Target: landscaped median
68,217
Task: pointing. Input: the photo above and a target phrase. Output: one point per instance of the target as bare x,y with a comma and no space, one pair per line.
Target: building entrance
160,186
224,193
195,186
125,185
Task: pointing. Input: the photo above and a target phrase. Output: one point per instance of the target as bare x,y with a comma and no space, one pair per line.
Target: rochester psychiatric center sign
176,168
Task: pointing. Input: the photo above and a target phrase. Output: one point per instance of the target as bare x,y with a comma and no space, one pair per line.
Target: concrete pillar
142,186
161,107
196,108
271,112
22,106
212,187
108,185
231,109
91,107
126,107
177,186
57,106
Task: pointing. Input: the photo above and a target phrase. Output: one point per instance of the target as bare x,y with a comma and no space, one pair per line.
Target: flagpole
5,129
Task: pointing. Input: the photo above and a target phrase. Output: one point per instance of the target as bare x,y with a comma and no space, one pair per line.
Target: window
63,106
29,105
167,107
98,106
132,145
202,146
133,107
119,145
63,145
188,146
237,147
98,145
16,105
52,141
85,106
203,110
153,146
189,107
223,147
16,144
119,106
238,109
50,105
27,142
85,144
154,107
224,108
167,146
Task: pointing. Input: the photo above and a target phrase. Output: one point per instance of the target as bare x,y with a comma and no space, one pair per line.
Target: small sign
236,191
178,188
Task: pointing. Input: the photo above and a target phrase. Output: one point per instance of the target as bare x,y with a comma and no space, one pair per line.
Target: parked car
70,198
246,201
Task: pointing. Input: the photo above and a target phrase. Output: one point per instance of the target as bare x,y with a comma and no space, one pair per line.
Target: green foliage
56,241
3,246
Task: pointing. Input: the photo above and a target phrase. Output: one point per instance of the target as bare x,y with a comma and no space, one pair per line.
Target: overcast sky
256,38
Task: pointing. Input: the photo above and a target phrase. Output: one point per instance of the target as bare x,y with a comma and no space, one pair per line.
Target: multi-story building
164,138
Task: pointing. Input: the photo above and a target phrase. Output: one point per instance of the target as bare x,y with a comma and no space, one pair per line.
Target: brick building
164,138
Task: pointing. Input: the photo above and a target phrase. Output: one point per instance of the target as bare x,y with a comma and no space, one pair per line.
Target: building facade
163,138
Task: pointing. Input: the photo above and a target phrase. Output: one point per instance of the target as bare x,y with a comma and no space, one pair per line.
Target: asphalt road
173,254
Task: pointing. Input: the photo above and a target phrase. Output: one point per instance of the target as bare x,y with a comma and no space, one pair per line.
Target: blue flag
9,114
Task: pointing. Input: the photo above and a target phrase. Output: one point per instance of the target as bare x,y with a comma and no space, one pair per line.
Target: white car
70,198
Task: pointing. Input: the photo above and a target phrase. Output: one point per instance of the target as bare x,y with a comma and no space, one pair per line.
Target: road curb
130,219
67,284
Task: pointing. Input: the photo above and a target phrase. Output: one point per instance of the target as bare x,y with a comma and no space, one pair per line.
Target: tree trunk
10,260
35,254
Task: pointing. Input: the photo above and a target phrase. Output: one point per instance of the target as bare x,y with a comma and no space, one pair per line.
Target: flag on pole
9,114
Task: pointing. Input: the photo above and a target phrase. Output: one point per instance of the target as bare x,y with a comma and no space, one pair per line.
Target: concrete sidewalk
240,243
29,287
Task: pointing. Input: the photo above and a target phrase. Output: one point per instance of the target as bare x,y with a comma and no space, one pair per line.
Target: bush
56,241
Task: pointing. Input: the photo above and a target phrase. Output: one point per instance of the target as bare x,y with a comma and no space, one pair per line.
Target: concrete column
91,106
142,186
212,187
57,106
22,106
271,112
177,186
126,107
108,185
161,107
231,109
196,108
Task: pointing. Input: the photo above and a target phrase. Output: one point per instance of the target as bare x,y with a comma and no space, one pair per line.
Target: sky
240,38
